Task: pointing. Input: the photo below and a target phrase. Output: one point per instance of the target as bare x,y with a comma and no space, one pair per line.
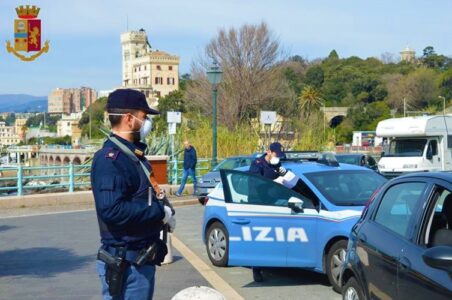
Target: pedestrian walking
190,160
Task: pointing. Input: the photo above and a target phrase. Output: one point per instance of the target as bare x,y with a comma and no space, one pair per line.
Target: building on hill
72,100
408,55
8,136
19,128
153,72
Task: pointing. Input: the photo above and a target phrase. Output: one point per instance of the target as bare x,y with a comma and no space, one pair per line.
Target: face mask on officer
145,129
274,160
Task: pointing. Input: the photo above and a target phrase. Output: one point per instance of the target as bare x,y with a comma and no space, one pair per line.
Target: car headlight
381,166
409,166
200,180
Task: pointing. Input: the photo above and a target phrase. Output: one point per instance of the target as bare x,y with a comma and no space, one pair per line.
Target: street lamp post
214,74
444,104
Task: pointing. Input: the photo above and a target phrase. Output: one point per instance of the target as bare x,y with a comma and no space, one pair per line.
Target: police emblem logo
27,34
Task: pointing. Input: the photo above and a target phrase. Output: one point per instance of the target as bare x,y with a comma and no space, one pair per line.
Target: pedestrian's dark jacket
190,158
121,191
263,168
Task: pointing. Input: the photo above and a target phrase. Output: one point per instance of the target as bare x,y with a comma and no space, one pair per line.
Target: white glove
172,224
168,214
282,171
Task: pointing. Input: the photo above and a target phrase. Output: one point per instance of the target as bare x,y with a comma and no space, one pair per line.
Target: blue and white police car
303,220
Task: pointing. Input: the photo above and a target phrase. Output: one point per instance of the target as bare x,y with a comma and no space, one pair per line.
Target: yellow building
153,72
19,128
7,135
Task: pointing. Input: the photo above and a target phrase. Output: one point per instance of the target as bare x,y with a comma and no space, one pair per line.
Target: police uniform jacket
263,168
121,192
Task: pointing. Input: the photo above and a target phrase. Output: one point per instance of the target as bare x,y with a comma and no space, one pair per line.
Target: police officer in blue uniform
129,214
268,166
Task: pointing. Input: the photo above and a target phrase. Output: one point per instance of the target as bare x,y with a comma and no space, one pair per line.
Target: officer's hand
168,214
282,171
161,195
172,224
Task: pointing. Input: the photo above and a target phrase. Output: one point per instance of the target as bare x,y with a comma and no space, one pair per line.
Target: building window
159,67
158,80
170,68
170,81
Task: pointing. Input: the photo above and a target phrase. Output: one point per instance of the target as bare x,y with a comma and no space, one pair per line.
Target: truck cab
415,144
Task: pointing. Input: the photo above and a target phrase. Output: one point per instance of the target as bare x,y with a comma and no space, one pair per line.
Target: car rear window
346,187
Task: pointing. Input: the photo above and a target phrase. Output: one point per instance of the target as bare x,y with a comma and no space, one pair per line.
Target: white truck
415,144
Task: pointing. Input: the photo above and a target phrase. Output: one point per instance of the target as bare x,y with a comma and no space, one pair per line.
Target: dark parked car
401,247
359,159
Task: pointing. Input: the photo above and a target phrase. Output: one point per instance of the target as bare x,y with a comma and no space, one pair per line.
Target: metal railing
17,180
176,169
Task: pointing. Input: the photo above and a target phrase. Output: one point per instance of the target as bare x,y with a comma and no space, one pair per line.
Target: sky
85,48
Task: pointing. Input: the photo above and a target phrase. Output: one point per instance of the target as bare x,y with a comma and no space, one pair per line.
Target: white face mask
274,160
145,129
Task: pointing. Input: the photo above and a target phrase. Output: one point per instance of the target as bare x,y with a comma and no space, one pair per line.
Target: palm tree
309,100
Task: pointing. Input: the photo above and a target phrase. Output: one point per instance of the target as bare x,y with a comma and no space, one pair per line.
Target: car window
439,227
434,147
247,188
398,205
227,164
348,159
346,187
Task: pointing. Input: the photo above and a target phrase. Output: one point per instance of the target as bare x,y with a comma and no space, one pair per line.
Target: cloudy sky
85,48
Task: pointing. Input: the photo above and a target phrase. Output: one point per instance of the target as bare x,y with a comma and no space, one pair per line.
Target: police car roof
311,167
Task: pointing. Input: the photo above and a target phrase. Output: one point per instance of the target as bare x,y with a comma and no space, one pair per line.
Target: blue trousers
187,172
138,282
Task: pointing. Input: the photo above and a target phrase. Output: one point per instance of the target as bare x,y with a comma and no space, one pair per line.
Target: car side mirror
439,257
295,204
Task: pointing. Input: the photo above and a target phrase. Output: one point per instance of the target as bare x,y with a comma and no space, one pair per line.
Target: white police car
253,221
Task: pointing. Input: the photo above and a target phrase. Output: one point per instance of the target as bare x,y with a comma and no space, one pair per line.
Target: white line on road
48,213
213,278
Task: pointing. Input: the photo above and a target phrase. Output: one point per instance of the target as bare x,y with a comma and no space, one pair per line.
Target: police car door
260,223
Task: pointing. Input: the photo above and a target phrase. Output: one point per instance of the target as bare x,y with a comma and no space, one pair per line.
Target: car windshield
227,164
406,147
346,187
348,159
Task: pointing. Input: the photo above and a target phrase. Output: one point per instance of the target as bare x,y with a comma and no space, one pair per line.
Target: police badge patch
27,34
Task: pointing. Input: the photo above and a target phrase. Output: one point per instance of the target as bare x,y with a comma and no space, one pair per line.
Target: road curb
54,199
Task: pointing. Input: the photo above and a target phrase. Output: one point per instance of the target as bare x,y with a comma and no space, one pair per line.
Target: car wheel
352,290
218,244
334,260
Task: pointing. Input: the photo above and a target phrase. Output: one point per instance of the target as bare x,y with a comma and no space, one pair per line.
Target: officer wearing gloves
129,212
269,166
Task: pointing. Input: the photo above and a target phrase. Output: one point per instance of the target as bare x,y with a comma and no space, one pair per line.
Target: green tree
309,100
95,112
174,101
445,84
333,55
315,76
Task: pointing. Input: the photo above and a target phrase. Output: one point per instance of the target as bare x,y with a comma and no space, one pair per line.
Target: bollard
169,257
199,293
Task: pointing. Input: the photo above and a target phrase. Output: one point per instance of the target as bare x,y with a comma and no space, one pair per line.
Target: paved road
280,283
53,257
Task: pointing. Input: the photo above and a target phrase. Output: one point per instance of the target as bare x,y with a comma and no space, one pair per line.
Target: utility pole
404,107
89,124
444,104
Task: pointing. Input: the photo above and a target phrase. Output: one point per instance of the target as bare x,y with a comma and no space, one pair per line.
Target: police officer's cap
277,148
129,99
